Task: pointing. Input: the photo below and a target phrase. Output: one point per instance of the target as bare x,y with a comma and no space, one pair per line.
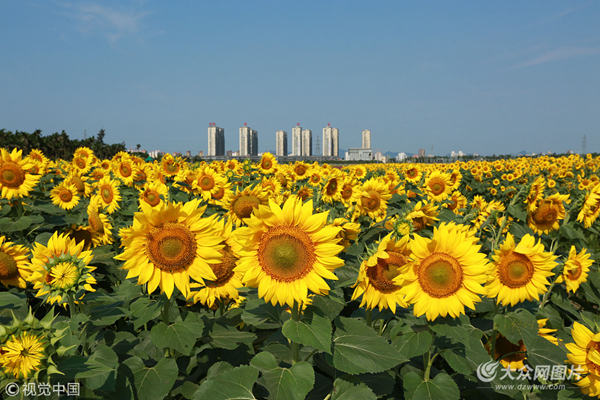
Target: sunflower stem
369,317
430,360
547,294
167,310
295,345
494,332
71,300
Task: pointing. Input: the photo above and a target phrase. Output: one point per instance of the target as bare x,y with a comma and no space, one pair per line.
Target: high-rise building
297,140
281,141
366,139
421,152
216,140
306,143
331,141
248,141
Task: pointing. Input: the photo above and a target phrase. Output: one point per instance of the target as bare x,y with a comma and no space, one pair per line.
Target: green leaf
144,310
517,325
440,387
542,352
457,330
153,383
228,337
330,305
180,336
312,330
517,212
358,349
107,314
234,384
262,315
413,343
6,225
218,368
102,368
284,383
344,390
15,302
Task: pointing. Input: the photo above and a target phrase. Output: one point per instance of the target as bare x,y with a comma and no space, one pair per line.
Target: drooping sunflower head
520,271
457,201
61,269
575,269
14,264
591,207
100,227
288,251
547,214
446,273
349,231
424,214
15,179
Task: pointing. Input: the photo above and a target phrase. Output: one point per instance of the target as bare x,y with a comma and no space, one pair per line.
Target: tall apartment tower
307,142
216,140
331,141
366,139
281,140
248,141
297,140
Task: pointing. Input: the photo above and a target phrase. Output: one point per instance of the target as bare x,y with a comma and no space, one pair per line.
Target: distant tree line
58,145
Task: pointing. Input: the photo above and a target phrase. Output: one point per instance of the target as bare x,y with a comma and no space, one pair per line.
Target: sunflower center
78,184
219,195
106,194
66,195
139,176
151,197
207,182
81,164
304,194
244,206
332,187
172,168
574,273
381,276
64,275
286,253
171,247
282,179
440,275
95,221
346,192
504,346
300,170
267,164
125,170
452,205
437,187
411,173
224,270
515,270
11,175
546,213
8,266
371,201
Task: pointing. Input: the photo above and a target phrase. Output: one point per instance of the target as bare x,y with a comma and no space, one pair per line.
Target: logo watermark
70,389
516,378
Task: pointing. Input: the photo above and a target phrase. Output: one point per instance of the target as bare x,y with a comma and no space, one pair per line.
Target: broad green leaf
218,368
107,314
358,349
153,383
517,325
312,330
262,315
144,310
457,329
6,225
102,368
330,305
413,343
180,336
440,387
517,212
228,337
234,384
542,352
284,383
344,390
15,303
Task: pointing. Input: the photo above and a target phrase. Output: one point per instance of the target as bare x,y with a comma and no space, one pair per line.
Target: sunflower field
128,279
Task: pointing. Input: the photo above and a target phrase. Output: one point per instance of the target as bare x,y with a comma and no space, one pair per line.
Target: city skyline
485,77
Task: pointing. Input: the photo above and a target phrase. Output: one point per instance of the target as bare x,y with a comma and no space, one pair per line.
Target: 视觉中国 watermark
542,377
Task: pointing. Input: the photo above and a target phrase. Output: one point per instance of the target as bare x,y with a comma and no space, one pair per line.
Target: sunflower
546,332
520,271
591,207
446,273
241,204
349,231
84,189
184,180
22,355
376,277
288,251
61,269
305,192
332,190
170,166
536,193
438,186
84,152
511,356
208,182
413,174
39,160
359,172
125,170
350,191
271,184
108,192
300,170
98,173
549,211
81,165
373,199
99,226
81,233
455,178
227,282
268,164
456,202
491,209
585,353
424,214
65,196
151,194
167,247
141,174
576,269
15,180
14,264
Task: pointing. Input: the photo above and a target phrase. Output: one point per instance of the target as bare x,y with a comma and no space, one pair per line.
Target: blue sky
490,77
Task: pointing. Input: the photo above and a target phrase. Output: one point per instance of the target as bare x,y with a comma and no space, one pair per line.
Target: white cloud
561,54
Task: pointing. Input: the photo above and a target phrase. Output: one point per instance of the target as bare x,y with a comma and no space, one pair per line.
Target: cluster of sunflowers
440,241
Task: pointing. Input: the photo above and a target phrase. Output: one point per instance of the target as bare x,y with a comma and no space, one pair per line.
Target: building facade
248,141
306,143
281,141
366,139
297,140
355,154
216,140
331,141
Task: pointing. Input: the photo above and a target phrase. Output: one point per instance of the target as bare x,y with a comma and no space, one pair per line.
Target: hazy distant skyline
481,77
